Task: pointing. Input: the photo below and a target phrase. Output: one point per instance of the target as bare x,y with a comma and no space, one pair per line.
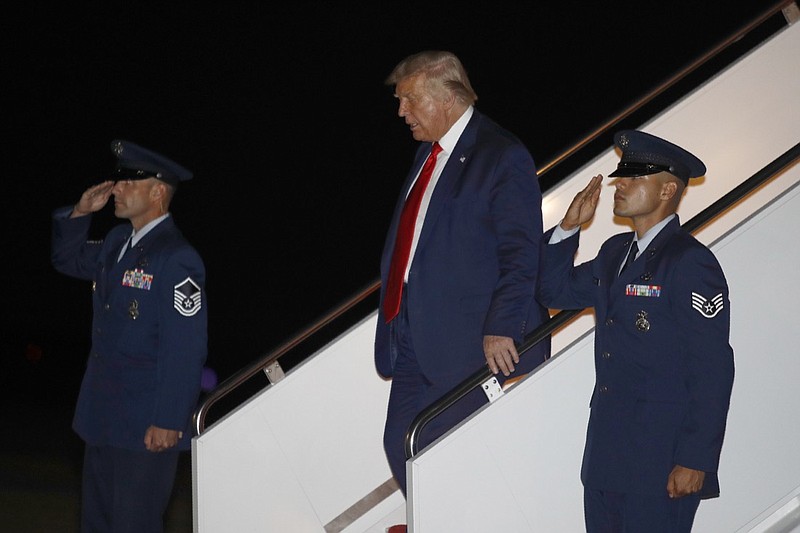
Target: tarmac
40,473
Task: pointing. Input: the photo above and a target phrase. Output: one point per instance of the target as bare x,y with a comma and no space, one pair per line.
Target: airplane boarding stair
304,454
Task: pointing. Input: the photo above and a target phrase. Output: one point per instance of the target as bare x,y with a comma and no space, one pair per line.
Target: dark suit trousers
616,512
126,491
412,392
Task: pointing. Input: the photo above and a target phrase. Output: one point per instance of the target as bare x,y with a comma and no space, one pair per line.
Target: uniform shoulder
687,246
172,240
687,241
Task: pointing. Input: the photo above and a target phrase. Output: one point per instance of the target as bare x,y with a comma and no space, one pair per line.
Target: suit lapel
451,173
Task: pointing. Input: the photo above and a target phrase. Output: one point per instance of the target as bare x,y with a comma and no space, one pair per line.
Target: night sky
297,150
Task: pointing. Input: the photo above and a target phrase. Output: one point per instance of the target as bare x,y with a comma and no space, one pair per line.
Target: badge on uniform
187,297
642,324
137,279
133,309
707,308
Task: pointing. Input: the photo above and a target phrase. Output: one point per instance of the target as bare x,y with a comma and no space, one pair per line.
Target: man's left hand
501,354
684,481
158,439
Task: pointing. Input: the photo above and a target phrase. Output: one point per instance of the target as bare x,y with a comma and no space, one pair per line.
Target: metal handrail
669,82
262,364
563,317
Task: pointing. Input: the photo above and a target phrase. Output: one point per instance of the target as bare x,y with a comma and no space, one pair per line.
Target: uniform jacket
664,367
475,268
149,340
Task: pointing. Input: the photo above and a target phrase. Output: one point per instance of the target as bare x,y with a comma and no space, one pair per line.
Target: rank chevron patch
707,308
187,297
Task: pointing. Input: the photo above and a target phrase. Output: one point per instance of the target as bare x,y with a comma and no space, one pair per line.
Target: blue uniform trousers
126,491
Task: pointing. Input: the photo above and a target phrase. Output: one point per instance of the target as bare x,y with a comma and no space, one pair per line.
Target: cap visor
631,173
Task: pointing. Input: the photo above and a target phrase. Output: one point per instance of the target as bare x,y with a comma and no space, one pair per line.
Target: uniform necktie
405,234
124,249
631,257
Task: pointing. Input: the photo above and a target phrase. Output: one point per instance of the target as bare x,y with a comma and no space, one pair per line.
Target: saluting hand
584,204
93,199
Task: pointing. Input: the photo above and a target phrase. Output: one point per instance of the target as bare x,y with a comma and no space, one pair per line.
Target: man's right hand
93,199
583,206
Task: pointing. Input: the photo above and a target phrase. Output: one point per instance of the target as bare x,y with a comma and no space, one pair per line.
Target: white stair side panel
310,444
524,450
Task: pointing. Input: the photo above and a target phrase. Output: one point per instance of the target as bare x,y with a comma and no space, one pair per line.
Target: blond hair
441,69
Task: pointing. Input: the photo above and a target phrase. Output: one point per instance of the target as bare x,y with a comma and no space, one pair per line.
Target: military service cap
644,154
135,162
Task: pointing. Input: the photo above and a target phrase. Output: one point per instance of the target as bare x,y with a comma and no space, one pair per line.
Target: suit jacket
149,340
475,268
664,367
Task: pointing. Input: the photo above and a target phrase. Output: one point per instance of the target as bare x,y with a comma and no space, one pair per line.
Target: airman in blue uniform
149,341
664,366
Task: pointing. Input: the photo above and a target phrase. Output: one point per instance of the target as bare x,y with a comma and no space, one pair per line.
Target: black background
281,112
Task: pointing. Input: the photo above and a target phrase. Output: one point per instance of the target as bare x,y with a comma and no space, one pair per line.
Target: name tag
137,279
650,291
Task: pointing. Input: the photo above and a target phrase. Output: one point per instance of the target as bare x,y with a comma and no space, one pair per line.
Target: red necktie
405,234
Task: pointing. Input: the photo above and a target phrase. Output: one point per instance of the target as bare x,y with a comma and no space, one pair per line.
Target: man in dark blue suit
664,365
142,377
465,294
